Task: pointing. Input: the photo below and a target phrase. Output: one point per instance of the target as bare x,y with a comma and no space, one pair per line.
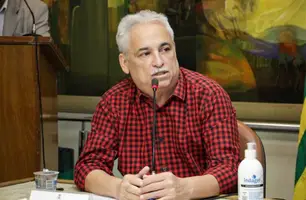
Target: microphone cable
33,18
38,84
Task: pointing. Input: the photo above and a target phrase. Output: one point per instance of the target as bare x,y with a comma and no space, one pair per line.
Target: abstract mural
254,48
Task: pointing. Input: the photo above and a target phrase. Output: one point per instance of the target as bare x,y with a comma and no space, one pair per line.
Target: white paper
48,195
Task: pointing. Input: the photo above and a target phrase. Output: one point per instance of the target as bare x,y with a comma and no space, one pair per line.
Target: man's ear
123,63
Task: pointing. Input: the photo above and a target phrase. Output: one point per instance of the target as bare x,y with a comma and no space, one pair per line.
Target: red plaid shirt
196,132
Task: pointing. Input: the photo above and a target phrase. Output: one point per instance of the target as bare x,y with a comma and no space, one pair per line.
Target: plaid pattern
196,132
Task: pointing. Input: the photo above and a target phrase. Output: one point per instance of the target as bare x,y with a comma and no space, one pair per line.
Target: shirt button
160,139
164,169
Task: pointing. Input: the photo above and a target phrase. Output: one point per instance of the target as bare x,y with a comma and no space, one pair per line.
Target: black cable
40,100
38,84
33,17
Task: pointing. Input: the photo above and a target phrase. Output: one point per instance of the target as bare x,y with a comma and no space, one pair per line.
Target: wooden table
21,190
234,197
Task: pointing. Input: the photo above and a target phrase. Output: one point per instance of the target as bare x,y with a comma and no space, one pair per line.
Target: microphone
33,19
154,88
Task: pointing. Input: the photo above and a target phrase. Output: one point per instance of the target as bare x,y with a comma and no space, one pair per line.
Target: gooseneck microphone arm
33,17
154,88
38,85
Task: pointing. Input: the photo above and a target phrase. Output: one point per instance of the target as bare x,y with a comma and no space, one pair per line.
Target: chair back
246,135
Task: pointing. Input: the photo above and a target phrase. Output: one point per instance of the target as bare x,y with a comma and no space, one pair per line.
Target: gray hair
127,22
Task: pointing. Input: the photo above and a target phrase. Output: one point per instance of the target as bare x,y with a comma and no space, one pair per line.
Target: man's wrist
117,188
187,188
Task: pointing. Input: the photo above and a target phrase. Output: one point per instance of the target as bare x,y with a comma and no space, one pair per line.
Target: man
197,147
16,18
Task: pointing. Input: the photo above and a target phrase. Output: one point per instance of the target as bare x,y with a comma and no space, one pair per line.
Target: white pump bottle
250,176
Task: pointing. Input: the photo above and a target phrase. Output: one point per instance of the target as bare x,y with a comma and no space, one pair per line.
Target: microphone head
154,83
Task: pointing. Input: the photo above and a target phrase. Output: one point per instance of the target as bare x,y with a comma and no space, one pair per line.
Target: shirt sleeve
222,141
101,146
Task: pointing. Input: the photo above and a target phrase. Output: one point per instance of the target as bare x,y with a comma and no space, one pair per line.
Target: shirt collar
4,7
179,91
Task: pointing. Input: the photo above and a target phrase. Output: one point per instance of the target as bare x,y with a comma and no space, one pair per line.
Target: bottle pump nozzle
250,152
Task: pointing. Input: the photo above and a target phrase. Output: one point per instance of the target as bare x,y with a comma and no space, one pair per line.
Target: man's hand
164,186
129,188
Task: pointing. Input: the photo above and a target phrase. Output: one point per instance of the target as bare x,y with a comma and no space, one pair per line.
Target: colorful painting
254,48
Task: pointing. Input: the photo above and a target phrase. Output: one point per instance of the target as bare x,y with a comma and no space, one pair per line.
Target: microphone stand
154,87
154,131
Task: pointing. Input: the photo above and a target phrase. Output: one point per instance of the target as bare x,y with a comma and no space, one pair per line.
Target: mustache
158,70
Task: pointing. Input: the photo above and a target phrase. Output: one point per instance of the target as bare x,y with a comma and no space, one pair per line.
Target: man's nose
158,60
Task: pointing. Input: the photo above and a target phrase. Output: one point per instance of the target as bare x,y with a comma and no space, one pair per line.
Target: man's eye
166,49
144,54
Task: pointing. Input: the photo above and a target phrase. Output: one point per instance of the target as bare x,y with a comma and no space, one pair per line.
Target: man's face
151,54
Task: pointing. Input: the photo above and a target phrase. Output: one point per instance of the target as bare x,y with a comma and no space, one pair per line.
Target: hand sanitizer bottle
250,176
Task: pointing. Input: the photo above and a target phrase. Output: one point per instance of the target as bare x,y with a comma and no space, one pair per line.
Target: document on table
46,195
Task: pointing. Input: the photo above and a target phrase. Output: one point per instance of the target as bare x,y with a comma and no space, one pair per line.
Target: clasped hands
163,186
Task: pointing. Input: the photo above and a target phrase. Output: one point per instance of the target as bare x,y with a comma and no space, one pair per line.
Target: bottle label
251,188
251,192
